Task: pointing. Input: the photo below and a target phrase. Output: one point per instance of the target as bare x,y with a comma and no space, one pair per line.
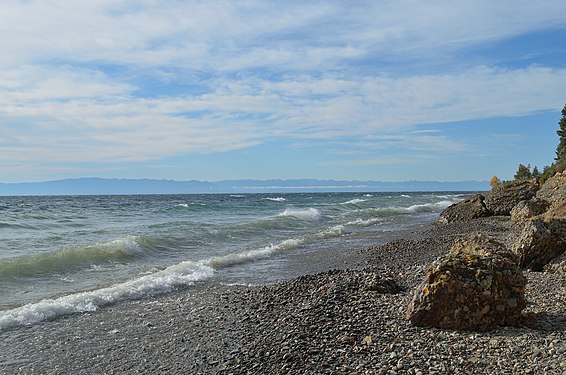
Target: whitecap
354,201
278,199
309,214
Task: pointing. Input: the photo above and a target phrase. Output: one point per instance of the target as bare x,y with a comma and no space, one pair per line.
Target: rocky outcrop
557,264
471,208
501,199
543,237
525,210
477,286
554,188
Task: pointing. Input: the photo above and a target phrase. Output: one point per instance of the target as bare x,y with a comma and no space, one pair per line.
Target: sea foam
277,199
354,201
184,273
302,213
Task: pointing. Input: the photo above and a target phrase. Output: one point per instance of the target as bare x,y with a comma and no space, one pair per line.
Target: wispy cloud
134,81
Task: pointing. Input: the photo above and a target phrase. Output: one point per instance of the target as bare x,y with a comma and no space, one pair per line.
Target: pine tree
523,173
561,148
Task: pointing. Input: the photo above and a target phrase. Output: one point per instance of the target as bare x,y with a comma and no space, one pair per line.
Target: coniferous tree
523,173
561,148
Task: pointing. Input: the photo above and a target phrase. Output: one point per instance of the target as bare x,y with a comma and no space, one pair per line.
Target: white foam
309,214
405,196
335,231
365,223
184,273
429,207
187,205
254,254
368,195
128,245
354,201
278,199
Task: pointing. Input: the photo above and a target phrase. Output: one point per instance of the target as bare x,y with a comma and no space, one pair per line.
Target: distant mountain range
101,186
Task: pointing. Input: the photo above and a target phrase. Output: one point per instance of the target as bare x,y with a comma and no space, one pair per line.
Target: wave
156,282
332,232
365,223
309,214
184,273
429,207
355,201
74,257
187,205
368,195
240,257
278,199
392,211
405,196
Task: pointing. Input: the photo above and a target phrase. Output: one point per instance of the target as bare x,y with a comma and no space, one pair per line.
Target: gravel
341,321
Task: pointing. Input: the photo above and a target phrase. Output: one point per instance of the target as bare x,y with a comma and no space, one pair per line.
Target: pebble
330,322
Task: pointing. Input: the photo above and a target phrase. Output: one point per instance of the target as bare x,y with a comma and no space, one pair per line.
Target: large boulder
543,237
501,199
471,208
525,210
477,286
554,188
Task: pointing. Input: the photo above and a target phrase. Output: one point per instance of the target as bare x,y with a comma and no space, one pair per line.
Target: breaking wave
309,214
70,258
354,201
278,199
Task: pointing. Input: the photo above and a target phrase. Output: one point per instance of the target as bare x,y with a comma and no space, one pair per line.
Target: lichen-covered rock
501,199
477,286
471,208
554,188
543,237
526,209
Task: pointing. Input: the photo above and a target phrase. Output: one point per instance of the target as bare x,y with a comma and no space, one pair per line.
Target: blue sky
211,90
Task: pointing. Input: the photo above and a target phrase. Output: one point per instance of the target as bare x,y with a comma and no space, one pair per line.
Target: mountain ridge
121,186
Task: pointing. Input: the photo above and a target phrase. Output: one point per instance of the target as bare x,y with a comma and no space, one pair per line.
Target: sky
211,90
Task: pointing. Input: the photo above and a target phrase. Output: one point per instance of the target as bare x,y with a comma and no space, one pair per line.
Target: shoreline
317,323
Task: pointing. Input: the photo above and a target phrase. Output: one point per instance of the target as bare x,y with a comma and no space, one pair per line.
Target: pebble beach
349,319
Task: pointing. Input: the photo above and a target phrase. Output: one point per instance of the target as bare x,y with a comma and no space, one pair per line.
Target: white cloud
296,70
82,120
230,36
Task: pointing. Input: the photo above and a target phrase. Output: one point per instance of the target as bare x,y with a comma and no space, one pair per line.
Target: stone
554,188
502,198
557,264
543,237
477,286
469,209
527,209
